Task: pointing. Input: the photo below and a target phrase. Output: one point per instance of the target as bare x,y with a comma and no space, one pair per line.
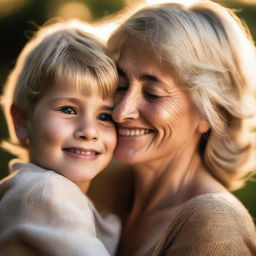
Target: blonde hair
57,53
206,46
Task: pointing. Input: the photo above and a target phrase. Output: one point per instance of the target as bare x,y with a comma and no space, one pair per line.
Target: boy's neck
84,186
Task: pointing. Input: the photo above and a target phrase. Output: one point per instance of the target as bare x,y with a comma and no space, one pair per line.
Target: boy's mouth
82,152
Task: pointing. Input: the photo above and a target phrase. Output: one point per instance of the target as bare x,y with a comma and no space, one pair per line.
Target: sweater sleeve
48,215
209,226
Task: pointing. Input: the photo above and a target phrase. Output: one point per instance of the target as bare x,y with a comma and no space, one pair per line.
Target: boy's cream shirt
43,213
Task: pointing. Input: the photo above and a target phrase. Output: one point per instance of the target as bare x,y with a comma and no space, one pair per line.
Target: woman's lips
128,132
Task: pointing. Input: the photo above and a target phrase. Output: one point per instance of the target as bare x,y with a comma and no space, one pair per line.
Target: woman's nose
126,108
87,130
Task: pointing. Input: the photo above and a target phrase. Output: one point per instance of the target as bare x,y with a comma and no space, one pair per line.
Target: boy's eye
105,117
68,110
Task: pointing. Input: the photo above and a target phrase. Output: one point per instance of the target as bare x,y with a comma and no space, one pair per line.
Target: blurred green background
19,18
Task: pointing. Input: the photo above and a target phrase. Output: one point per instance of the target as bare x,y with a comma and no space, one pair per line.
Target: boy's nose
87,131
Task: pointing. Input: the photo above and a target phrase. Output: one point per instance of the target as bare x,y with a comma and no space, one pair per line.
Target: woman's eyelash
152,95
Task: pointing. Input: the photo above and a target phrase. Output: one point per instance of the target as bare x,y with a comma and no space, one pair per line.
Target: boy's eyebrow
107,107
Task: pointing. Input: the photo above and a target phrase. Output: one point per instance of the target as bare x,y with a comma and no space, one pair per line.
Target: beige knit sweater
43,213
210,225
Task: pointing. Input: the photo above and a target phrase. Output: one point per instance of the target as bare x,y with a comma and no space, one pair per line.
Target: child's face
72,133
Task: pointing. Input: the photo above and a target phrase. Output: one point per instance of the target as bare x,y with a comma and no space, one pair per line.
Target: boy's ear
20,124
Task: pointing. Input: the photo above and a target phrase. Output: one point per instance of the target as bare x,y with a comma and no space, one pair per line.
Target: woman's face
156,118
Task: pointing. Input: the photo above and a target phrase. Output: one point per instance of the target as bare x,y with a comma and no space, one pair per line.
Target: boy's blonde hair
58,53
208,49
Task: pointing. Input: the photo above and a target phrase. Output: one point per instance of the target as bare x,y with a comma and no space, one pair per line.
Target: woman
184,111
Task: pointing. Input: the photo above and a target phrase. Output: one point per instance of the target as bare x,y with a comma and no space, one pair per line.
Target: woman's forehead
139,59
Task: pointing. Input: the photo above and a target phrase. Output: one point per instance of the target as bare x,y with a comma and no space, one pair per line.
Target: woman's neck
166,183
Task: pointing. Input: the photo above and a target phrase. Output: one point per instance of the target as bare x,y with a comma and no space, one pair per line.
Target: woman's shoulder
210,224
211,201
220,210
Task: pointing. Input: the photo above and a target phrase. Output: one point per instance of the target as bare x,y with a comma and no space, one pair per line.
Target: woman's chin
121,157
132,149
125,156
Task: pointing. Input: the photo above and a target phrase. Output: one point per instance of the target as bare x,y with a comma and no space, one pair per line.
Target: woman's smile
131,132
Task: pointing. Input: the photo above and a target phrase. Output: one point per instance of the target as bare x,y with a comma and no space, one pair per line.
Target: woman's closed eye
152,95
69,110
154,92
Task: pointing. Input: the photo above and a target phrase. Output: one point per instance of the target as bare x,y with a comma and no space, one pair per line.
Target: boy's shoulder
30,183
33,194
24,176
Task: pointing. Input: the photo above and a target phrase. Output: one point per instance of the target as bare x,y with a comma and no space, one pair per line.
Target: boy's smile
72,132
82,153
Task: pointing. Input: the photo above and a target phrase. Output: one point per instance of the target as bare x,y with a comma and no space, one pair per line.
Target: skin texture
65,130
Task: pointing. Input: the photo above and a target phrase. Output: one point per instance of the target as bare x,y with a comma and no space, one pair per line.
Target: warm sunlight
74,9
8,7
104,30
185,2
252,2
189,2
100,30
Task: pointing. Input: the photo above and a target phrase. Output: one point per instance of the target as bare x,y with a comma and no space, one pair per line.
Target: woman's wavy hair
58,53
212,53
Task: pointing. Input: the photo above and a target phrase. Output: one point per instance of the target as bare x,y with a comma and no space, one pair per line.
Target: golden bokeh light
73,9
104,30
185,2
7,7
251,2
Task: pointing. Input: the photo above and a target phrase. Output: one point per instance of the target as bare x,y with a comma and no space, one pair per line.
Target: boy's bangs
100,79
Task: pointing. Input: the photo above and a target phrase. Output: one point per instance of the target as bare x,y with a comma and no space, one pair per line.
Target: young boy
60,97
